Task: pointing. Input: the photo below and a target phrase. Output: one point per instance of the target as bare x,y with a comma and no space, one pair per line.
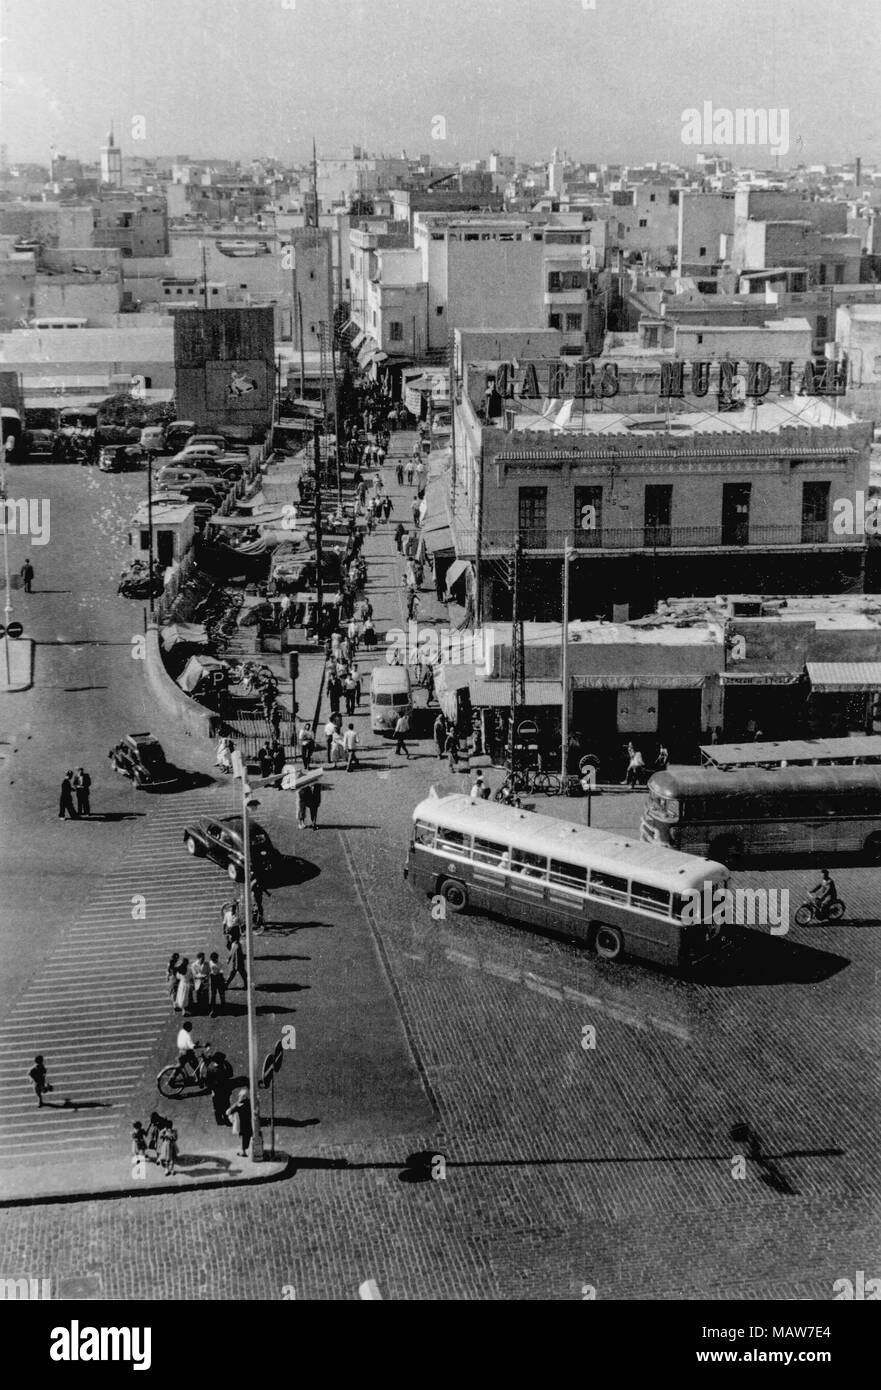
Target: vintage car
221,840
119,458
140,757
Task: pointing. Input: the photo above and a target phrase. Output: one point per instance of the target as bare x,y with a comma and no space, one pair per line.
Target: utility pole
8,595
302,350
336,425
317,455
204,277
313,220
518,692
452,424
564,666
257,1137
150,527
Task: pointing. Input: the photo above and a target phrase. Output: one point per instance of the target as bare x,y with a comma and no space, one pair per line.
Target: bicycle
546,782
174,1079
810,913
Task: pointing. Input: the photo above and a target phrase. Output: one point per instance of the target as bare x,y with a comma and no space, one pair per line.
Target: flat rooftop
771,417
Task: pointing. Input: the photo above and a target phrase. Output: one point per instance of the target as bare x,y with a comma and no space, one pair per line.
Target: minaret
111,162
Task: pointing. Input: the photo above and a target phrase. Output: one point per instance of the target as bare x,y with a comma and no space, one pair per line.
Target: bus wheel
454,894
608,943
873,848
726,848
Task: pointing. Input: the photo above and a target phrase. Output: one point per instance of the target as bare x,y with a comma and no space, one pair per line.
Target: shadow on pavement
759,959
291,869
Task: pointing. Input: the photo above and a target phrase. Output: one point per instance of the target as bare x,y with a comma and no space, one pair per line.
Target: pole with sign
272,1064
257,1138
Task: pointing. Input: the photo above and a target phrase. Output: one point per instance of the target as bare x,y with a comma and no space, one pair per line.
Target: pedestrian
349,692
236,963
139,1140
278,759
167,1151
264,757
307,745
302,800
399,472
412,604
27,576
200,973
184,987
239,1113
171,975
232,926
402,728
66,801
313,803
451,748
366,611
352,634
334,691
216,984
369,635
400,533
39,1077
218,1079
386,507
416,509
329,731
479,790
275,718
409,472
350,744
82,785
155,1127
223,754
440,733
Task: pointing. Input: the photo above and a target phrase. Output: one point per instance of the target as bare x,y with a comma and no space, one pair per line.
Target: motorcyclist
824,894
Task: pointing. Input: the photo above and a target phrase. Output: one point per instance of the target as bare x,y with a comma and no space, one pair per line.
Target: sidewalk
20,672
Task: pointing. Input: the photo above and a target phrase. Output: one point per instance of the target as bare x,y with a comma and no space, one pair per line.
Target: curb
281,1170
16,686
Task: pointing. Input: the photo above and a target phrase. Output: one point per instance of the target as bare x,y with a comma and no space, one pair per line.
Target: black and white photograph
440,663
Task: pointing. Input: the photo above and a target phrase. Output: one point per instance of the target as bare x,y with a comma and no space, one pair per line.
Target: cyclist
186,1050
824,894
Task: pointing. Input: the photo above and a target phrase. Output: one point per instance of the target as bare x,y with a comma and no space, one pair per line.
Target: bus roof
695,781
657,865
802,750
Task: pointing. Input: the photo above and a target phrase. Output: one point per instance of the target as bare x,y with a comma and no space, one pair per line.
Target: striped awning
683,681
760,677
844,677
497,694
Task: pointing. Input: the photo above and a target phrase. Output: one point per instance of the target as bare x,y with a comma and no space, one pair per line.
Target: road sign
527,729
268,1069
278,1057
14,629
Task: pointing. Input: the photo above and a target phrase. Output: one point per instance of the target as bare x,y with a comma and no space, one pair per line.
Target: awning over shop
197,669
844,677
793,751
497,694
358,339
458,569
685,681
760,677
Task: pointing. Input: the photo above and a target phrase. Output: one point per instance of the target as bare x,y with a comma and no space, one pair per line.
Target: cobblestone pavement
717,1138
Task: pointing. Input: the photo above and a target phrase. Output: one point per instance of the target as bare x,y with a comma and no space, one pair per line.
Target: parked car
140,758
153,439
216,441
212,493
222,841
196,451
119,458
171,475
223,466
177,433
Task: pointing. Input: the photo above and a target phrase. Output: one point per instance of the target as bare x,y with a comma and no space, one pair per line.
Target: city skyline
610,84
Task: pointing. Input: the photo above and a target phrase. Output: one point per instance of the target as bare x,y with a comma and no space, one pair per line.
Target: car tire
608,942
454,894
233,872
192,846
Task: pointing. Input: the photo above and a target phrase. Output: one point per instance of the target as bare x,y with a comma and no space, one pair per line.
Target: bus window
568,875
488,852
453,841
608,886
533,865
423,834
656,899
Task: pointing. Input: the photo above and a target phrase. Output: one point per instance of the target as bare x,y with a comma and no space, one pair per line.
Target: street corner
135,1176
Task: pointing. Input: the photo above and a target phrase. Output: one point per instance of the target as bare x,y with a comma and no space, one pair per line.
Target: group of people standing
79,785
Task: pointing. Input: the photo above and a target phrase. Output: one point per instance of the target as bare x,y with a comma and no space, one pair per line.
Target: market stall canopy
457,571
844,677
197,669
193,634
790,751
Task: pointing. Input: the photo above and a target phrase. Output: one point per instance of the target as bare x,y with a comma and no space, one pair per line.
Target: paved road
617,1167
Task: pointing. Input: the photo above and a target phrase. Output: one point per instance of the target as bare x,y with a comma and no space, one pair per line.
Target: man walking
416,509
313,802
412,604
399,537
27,575
216,984
307,745
330,729
402,728
38,1076
440,733
236,962
201,975
66,801
82,785
350,745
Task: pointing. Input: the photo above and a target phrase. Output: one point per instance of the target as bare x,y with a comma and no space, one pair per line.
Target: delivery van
390,697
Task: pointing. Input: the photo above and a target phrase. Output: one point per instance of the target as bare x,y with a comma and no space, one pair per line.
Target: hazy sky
246,77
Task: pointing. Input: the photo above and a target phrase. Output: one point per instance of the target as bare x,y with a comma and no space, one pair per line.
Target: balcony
609,539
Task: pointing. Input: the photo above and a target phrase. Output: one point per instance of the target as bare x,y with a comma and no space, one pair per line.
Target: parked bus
390,697
616,895
744,811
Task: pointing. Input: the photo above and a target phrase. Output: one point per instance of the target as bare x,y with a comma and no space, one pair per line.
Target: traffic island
125,1176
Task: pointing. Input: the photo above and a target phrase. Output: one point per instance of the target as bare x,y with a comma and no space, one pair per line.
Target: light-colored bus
390,697
616,895
759,811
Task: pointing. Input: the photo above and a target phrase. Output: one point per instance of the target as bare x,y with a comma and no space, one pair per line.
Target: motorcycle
812,914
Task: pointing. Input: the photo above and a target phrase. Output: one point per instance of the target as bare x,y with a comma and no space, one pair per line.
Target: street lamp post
256,1137
7,610
564,667
150,527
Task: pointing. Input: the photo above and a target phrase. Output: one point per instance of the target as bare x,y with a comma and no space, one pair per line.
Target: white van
390,697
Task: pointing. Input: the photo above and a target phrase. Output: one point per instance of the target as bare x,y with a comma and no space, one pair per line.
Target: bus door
492,861
528,887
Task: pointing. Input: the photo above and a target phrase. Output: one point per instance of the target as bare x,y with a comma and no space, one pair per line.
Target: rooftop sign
732,382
